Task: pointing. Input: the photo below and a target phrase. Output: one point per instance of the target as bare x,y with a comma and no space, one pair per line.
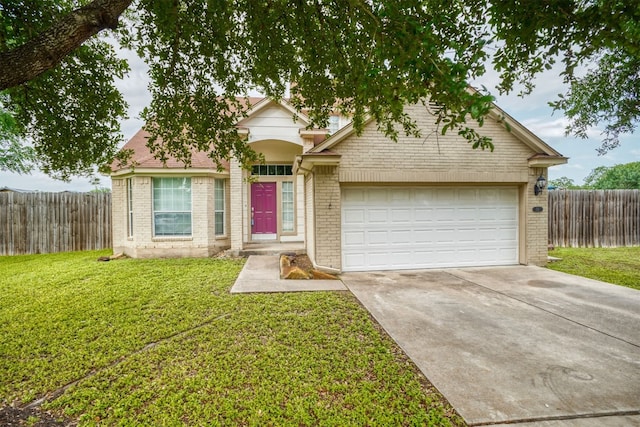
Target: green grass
620,266
162,342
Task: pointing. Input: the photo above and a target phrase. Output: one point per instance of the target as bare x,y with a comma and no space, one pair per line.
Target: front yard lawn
162,342
620,266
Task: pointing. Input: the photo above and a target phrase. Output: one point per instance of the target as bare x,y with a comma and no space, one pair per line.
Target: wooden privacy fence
594,218
38,223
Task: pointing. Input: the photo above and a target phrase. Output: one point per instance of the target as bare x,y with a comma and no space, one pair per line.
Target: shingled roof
143,158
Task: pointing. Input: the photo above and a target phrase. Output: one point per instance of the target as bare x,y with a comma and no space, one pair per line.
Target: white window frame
285,204
220,185
171,191
334,124
129,207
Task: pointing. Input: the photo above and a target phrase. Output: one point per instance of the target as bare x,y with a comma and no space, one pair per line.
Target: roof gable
262,115
274,120
264,103
523,134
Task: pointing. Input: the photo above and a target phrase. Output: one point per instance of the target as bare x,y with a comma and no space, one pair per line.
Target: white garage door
386,228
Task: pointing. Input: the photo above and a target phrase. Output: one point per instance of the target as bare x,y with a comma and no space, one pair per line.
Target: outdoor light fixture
541,183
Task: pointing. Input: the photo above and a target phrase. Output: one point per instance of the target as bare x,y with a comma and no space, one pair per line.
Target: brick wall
433,159
537,223
203,241
327,217
119,214
310,231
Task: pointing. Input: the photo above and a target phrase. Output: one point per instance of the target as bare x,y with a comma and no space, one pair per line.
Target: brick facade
143,244
327,217
366,159
433,159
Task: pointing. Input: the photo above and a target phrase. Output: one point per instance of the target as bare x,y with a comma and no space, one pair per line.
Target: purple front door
263,208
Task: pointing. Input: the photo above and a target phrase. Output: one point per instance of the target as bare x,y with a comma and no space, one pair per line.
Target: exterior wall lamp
541,183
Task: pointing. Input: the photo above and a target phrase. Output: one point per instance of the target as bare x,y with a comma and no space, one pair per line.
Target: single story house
356,202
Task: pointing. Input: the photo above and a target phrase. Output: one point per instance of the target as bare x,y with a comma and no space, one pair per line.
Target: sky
532,111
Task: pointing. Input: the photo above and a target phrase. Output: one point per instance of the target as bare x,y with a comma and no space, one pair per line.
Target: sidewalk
261,273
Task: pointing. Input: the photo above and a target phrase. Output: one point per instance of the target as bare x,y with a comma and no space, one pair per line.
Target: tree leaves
361,58
72,112
624,176
608,94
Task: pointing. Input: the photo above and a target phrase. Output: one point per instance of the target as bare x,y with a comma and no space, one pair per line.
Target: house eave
544,161
313,132
129,171
306,162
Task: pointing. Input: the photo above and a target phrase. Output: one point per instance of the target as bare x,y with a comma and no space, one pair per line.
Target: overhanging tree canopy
361,57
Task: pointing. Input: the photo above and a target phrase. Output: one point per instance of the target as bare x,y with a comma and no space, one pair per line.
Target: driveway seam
543,309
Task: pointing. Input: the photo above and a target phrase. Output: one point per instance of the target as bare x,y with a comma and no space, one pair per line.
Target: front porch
273,248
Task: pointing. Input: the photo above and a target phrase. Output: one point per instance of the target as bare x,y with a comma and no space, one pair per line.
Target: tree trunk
46,50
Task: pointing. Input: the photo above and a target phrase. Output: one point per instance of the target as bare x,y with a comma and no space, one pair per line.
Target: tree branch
46,50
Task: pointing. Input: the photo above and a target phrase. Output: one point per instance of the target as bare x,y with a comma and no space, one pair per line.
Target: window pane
172,206
219,197
172,224
287,206
288,170
130,205
334,124
219,221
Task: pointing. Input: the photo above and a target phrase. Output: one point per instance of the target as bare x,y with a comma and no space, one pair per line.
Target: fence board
34,223
594,218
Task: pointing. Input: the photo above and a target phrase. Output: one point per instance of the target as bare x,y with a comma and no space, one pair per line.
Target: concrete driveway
521,345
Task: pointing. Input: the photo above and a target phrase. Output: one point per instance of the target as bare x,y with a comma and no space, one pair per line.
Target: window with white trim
172,206
130,207
334,124
287,206
263,170
219,201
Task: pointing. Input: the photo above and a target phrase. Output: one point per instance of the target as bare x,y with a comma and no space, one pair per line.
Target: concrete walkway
516,345
261,273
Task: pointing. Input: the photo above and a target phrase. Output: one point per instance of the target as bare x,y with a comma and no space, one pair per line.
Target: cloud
545,128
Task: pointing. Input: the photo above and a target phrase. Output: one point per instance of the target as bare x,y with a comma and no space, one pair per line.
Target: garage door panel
466,235
354,259
423,215
401,258
353,195
467,214
378,259
505,214
484,235
378,215
353,238
377,237
377,195
401,195
353,216
401,216
423,236
422,227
